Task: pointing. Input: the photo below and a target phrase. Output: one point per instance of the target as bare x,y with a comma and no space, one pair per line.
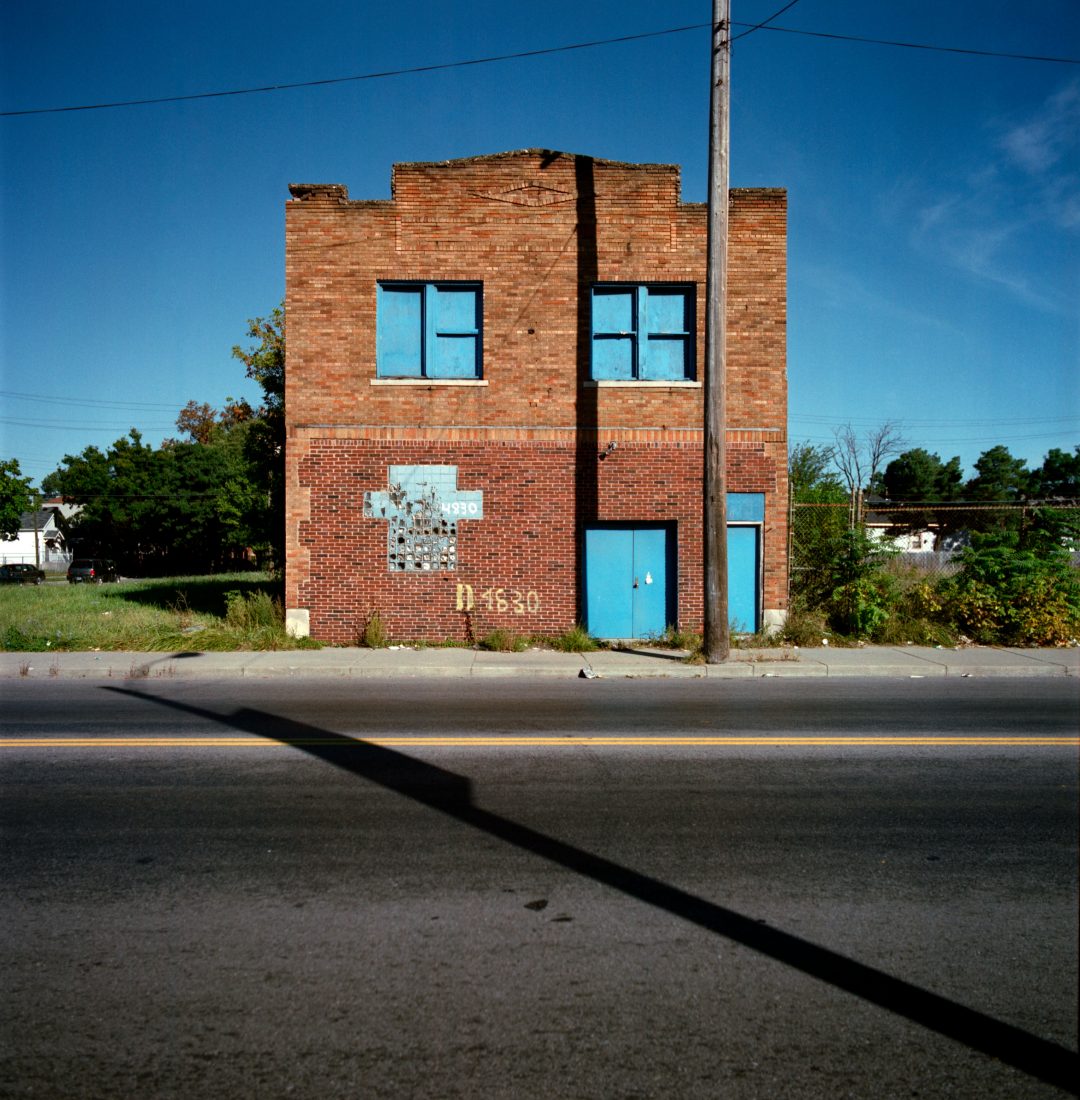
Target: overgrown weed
504,641
575,640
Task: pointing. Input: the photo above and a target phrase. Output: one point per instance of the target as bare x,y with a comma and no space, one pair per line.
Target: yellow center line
532,742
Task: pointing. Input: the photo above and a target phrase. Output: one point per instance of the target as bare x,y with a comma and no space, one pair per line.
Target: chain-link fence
924,539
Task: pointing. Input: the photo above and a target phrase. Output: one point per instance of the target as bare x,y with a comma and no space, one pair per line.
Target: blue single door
743,566
627,593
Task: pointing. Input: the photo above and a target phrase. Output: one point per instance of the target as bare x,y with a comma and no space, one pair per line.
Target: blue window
642,332
428,330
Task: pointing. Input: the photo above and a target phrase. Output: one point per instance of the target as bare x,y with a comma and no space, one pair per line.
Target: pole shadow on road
450,794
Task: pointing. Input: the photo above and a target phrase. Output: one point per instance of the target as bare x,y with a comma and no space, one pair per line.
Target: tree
265,363
197,421
811,479
819,527
919,476
858,461
200,423
1059,476
999,477
14,497
186,507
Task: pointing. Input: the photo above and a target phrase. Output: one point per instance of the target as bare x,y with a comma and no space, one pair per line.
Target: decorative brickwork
533,435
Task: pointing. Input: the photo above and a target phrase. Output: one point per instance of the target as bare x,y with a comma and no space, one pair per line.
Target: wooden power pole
717,640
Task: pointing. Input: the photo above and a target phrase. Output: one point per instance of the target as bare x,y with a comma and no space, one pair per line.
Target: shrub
1015,588
803,627
374,634
18,641
503,641
679,639
575,640
861,596
252,611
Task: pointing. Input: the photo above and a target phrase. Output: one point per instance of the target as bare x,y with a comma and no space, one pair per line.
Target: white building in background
40,540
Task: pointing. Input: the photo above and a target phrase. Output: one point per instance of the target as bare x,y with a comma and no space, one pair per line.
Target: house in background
494,402
40,541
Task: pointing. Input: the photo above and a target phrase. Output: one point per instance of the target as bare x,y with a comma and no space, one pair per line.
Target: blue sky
934,235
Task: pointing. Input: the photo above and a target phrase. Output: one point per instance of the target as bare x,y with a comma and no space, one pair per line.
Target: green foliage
803,627
199,504
862,594
252,610
503,641
187,507
1017,587
232,612
999,477
374,635
16,640
674,637
14,497
264,361
575,640
918,475
1016,584
811,477
1059,475
843,579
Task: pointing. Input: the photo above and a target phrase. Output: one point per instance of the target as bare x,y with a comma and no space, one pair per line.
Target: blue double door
631,578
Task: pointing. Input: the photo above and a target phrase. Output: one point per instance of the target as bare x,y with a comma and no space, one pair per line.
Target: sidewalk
910,662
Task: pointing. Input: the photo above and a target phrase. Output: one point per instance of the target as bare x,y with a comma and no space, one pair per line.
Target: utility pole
717,640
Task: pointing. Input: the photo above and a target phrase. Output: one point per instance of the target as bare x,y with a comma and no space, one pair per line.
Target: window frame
431,331
641,335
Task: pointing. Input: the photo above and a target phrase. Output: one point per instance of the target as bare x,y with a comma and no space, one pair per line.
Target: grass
231,611
504,641
575,640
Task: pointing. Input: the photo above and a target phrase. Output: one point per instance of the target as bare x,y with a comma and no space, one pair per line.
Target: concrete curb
910,662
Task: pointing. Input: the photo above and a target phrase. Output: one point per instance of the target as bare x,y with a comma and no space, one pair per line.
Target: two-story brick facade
494,401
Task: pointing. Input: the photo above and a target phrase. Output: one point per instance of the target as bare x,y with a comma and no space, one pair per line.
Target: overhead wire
85,402
546,51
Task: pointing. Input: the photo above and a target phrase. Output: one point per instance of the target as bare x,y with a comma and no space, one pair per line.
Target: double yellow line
539,741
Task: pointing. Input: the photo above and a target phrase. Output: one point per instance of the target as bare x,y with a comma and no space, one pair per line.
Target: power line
524,54
86,402
937,441
762,25
952,421
67,425
926,46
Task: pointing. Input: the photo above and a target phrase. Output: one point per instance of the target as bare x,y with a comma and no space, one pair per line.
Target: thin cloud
1043,141
844,291
994,222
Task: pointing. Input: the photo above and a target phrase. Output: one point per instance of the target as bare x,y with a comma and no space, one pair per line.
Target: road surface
539,889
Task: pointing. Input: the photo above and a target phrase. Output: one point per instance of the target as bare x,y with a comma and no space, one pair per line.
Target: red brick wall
531,227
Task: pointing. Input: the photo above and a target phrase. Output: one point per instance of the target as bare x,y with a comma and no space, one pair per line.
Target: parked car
21,574
92,571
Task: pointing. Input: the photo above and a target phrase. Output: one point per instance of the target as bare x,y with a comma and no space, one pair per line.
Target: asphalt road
215,890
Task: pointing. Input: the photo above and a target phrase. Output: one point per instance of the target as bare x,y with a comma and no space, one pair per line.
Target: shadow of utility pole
450,794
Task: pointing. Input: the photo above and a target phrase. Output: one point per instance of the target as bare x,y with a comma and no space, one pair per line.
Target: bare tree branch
858,461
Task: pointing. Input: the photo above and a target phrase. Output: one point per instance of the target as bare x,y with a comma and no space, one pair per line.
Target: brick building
494,401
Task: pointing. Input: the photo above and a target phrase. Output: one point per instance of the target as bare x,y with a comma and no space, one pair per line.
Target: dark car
92,571
21,574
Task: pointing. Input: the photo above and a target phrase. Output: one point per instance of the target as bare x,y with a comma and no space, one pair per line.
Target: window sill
427,381
672,384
